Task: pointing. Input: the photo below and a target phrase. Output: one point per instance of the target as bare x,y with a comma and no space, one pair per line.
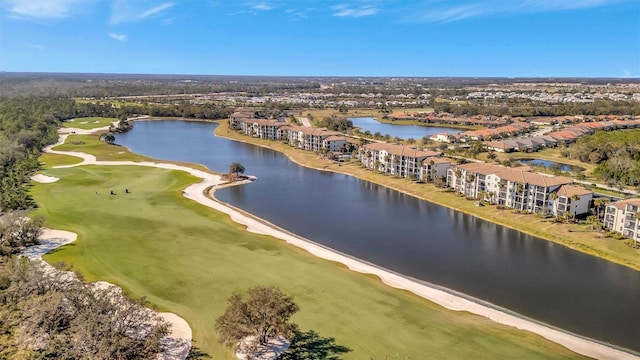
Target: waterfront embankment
577,237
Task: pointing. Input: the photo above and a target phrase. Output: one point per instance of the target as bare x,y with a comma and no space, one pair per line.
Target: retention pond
533,277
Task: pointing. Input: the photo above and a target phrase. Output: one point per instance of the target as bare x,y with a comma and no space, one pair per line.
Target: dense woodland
44,313
617,155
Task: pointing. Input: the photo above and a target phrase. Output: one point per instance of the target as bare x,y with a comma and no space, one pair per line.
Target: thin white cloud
155,10
626,73
454,13
37,46
460,10
119,37
344,10
43,9
123,11
262,7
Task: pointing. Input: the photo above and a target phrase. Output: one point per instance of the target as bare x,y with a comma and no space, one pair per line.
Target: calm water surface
548,163
403,131
533,277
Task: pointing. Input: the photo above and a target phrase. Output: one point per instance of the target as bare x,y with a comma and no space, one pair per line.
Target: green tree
553,197
264,314
236,168
18,231
520,191
108,138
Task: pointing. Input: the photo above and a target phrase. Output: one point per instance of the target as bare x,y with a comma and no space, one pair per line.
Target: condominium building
434,167
397,160
518,188
307,138
624,217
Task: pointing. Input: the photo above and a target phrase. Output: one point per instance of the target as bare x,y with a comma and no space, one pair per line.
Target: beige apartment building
624,217
519,188
397,160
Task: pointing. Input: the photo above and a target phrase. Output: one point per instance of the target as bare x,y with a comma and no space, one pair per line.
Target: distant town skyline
483,38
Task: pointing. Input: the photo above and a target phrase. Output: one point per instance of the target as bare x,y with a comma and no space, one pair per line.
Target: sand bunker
177,343
44,178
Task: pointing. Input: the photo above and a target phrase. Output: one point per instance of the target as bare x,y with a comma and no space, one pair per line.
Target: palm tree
593,220
553,197
636,216
520,190
575,198
600,203
394,164
432,170
469,182
458,174
492,196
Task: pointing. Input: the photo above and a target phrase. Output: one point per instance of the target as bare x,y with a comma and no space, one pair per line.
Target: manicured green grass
189,259
51,160
91,144
88,122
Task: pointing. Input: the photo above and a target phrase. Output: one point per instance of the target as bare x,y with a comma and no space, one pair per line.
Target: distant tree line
528,108
183,109
26,126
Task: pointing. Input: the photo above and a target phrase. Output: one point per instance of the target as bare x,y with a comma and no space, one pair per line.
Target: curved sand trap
41,178
177,343
439,296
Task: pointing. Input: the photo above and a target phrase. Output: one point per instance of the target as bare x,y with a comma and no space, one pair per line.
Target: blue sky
513,38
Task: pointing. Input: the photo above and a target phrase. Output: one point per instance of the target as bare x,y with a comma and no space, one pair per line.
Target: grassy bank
577,237
188,259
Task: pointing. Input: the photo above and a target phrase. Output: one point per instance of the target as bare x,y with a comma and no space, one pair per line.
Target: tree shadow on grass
309,345
196,354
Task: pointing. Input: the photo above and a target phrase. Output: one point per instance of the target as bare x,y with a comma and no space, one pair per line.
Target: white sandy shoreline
446,299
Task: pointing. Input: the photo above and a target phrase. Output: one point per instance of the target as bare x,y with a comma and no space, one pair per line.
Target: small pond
416,132
551,165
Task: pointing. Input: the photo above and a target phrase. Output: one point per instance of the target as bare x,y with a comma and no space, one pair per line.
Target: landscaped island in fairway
188,259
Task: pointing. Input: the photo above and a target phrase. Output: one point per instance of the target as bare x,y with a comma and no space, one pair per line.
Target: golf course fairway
188,259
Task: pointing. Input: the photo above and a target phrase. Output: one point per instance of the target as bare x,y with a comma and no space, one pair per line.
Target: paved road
305,122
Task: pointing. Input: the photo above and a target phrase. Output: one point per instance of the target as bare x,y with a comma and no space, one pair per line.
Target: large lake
530,276
416,132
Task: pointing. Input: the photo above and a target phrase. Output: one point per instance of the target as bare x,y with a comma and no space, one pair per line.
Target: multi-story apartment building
307,138
261,128
397,160
434,167
624,217
313,139
518,188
